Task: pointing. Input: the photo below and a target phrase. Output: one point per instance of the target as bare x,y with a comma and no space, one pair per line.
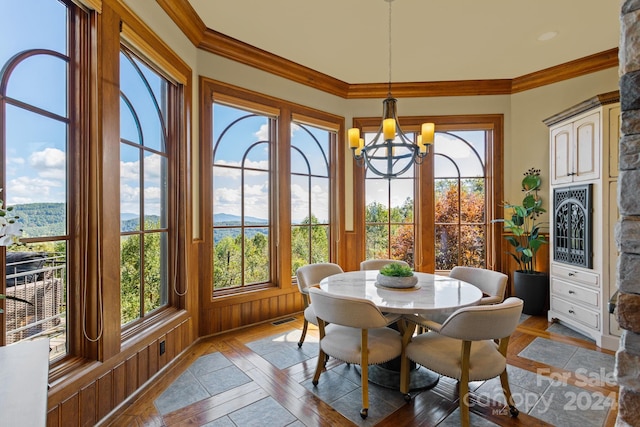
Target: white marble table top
433,294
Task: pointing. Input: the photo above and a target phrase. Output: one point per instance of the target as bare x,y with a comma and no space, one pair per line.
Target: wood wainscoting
94,390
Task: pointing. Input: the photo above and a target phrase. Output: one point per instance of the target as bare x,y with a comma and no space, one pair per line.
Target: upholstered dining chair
309,276
377,264
355,331
493,284
471,345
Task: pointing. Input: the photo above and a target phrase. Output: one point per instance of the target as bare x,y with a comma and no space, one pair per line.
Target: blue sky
36,147
35,151
239,139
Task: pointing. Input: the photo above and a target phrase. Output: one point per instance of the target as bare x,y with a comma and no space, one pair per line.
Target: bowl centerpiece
394,275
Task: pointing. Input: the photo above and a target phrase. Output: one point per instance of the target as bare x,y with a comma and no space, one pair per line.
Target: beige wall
526,137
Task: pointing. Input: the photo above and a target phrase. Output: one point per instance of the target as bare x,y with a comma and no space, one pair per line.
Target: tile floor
539,395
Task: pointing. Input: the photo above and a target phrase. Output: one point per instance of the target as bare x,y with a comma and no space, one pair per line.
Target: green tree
390,232
309,243
132,279
227,263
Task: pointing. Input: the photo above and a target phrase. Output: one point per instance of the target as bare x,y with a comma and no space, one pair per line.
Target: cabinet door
587,148
561,154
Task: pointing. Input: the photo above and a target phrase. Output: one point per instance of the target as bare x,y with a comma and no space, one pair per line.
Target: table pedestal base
420,378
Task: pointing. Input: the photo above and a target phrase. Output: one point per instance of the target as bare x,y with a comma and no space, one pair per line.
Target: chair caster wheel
513,411
315,383
407,398
364,412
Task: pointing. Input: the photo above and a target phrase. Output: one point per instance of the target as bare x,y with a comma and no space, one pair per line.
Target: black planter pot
533,289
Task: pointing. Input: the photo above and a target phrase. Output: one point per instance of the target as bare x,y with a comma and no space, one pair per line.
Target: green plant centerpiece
523,234
398,276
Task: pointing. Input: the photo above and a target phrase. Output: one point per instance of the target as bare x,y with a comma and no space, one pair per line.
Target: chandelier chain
389,91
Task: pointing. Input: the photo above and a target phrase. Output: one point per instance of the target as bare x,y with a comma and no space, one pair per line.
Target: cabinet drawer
574,293
575,312
574,275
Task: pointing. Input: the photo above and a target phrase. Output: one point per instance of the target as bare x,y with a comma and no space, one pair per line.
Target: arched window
389,215
310,195
460,199
145,154
242,152
438,214
38,135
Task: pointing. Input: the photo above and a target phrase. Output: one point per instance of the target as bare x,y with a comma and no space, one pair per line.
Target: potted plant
396,275
525,239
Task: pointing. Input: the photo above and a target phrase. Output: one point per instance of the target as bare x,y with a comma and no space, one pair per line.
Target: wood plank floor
267,380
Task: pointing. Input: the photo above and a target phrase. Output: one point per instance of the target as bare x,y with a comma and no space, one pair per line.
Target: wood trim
568,70
233,310
430,89
91,4
230,48
425,233
150,45
596,101
181,12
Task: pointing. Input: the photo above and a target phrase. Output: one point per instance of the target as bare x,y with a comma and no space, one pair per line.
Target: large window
242,152
310,195
145,106
389,215
460,199
271,201
449,198
37,137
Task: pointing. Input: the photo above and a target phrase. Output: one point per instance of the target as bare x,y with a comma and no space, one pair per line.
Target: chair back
346,311
377,264
310,275
484,322
492,283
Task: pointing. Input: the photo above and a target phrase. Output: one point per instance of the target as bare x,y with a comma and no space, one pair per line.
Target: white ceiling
432,40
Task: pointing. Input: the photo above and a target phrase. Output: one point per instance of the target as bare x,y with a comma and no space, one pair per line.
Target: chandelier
391,152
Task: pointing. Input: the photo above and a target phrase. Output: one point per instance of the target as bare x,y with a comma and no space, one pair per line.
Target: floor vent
281,321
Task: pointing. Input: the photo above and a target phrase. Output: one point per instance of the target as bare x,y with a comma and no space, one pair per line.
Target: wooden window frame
425,233
287,112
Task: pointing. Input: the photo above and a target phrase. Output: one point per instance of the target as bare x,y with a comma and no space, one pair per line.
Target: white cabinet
584,152
575,150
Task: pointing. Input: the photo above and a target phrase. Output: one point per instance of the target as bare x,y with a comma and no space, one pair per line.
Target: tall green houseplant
523,228
522,231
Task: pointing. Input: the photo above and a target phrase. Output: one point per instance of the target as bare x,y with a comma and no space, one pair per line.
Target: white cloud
452,147
49,163
263,133
25,189
129,170
16,161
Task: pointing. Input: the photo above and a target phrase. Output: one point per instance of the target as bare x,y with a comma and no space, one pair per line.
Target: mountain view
48,219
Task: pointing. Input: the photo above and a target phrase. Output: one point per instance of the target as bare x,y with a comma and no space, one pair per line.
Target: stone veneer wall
628,227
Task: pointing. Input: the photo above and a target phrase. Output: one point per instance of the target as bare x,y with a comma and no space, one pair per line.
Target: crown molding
230,48
568,70
185,17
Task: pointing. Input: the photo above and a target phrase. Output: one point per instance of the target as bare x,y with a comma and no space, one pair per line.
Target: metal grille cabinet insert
572,235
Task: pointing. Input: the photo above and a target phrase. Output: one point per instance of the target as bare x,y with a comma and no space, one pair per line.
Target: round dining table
433,294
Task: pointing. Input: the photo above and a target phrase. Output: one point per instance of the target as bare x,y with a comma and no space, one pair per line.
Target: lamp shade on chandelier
390,152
